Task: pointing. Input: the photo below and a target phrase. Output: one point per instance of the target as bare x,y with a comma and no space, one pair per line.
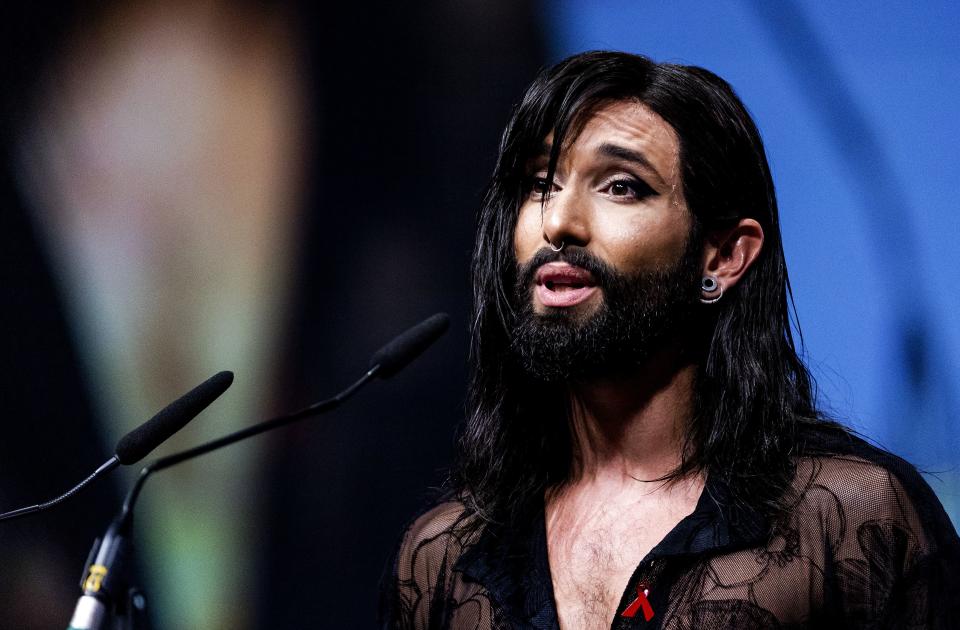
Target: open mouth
561,285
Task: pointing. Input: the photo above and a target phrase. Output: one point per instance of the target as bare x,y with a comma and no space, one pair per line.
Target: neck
631,427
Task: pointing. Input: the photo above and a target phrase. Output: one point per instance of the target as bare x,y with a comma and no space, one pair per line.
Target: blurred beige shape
165,164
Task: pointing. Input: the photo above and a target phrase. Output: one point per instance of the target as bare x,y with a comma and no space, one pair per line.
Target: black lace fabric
428,592
863,543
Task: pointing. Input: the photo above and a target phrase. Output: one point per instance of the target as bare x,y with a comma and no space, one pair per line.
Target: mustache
604,274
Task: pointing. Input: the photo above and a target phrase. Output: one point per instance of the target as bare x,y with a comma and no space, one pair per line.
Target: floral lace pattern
858,547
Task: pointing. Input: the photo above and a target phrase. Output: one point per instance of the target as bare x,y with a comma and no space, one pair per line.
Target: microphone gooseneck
105,467
105,584
386,362
176,458
138,443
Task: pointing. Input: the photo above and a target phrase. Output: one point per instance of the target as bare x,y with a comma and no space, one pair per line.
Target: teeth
553,285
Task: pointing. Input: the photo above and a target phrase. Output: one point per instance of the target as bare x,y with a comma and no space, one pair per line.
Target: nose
566,219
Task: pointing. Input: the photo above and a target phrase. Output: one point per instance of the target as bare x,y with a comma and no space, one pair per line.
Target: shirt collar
513,565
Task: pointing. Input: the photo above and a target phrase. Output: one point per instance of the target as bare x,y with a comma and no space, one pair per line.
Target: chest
594,548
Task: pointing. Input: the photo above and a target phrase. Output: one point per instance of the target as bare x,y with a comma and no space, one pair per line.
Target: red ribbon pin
640,602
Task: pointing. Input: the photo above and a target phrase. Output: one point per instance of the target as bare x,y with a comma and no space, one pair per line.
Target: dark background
403,108
410,99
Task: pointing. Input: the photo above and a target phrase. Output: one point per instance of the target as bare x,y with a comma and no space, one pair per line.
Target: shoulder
865,479
850,493
444,525
423,580
862,501
433,543
870,526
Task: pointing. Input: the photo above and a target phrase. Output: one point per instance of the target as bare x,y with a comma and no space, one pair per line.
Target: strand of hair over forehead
578,100
495,466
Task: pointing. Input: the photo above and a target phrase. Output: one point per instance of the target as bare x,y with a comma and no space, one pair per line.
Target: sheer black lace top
864,543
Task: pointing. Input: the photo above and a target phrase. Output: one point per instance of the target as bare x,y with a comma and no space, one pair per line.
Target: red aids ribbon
640,602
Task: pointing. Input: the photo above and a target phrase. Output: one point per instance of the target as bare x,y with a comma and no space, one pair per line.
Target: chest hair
594,549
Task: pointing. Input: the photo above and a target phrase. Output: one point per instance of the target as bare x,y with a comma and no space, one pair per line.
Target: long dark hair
753,392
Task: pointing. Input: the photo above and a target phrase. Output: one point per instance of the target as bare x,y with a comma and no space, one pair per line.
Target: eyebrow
607,149
623,153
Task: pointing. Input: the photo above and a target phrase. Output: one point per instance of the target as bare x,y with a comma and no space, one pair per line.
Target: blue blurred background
277,188
857,104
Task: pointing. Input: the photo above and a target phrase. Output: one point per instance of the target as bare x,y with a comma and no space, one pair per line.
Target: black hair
753,392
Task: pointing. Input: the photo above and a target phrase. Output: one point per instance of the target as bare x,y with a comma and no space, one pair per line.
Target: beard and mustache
639,314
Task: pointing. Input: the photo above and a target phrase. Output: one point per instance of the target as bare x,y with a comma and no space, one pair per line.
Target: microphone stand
109,600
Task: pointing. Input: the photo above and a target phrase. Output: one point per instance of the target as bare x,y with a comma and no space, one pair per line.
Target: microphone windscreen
407,346
135,445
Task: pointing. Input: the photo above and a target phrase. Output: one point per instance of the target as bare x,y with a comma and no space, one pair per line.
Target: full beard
639,314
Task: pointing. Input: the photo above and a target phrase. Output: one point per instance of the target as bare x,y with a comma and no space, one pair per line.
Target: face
616,194
627,269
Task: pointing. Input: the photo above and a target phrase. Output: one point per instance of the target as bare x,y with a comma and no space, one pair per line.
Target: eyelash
532,183
637,187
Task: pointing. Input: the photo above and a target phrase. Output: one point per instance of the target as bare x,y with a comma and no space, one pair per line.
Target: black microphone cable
138,443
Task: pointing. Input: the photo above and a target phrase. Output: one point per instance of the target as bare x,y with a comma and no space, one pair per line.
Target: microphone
385,363
138,443
395,356
105,591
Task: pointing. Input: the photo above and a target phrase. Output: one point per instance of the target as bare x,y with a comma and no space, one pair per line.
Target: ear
728,253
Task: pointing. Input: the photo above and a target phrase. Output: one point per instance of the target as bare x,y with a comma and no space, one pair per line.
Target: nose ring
556,249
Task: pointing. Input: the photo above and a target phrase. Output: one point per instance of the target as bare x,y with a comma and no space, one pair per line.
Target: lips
561,285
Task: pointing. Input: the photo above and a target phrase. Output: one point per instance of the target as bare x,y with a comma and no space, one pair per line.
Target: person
643,447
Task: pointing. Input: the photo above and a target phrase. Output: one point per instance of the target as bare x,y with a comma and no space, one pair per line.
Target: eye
628,188
538,187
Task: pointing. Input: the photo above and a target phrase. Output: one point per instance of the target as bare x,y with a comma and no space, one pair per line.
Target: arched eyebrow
606,149
629,155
